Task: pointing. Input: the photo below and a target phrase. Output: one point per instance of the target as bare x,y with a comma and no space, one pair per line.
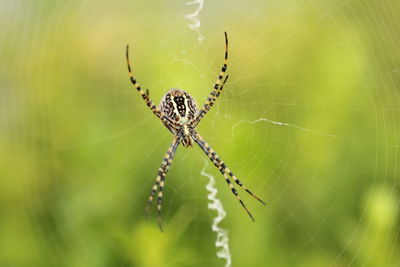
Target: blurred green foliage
80,150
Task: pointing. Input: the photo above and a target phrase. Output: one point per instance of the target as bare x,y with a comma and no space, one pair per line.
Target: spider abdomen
178,106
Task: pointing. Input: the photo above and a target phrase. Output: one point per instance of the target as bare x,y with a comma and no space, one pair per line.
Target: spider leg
160,180
217,87
216,160
239,182
152,193
145,94
209,103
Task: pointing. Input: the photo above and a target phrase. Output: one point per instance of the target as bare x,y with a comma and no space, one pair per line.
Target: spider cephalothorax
178,112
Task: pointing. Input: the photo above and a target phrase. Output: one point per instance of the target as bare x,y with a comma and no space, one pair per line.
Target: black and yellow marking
216,160
152,193
230,173
214,156
233,189
159,200
237,181
146,95
160,180
180,103
217,87
209,103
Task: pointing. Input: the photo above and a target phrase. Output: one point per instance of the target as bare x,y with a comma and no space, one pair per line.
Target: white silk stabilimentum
194,17
222,242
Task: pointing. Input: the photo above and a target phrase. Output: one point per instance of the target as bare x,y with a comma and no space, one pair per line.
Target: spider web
308,121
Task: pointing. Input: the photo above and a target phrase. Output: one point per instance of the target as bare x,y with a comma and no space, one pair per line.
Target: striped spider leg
160,180
225,171
217,88
146,96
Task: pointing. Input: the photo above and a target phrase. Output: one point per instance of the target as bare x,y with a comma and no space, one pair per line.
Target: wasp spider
178,112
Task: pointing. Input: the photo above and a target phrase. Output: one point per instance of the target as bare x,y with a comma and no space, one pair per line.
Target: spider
179,113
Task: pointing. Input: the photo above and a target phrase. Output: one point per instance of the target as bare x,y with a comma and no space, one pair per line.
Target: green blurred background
80,150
